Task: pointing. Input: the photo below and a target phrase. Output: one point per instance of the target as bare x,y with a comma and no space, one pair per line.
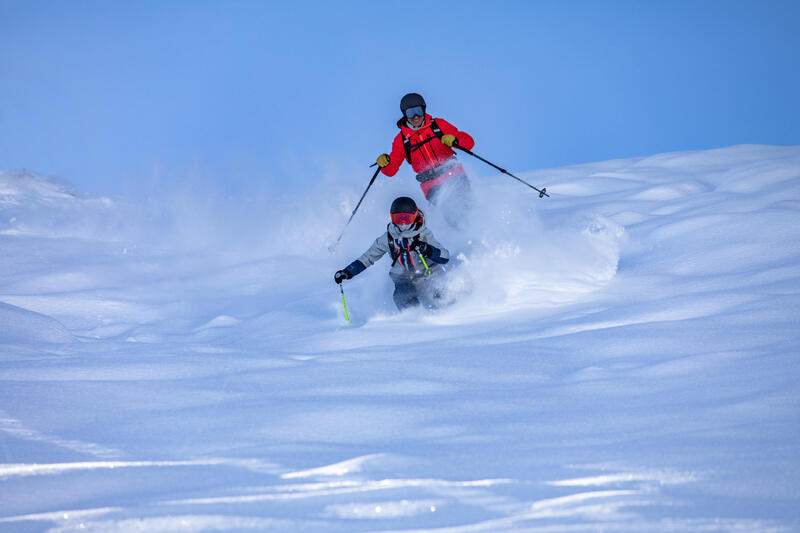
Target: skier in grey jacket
417,257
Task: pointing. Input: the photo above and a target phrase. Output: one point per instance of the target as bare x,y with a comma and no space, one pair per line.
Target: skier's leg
405,294
433,195
454,198
431,290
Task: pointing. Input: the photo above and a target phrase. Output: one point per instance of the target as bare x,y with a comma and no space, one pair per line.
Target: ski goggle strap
404,218
415,111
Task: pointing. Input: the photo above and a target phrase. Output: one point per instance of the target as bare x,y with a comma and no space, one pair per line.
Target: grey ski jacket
406,263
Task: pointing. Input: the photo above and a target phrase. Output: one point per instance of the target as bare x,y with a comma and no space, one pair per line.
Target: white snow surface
622,356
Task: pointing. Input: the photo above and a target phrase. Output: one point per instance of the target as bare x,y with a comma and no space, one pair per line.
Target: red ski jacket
427,150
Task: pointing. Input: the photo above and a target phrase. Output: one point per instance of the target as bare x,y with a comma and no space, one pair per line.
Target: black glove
342,275
421,247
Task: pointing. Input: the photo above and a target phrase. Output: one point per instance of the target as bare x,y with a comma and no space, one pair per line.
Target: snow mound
22,326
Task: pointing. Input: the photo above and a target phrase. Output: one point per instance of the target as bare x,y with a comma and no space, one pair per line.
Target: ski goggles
415,111
404,218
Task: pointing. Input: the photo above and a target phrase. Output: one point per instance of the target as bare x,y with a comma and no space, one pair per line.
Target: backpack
437,133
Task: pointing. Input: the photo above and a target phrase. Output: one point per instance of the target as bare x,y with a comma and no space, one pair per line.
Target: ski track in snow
621,357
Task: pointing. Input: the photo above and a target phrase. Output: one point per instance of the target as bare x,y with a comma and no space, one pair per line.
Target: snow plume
507,256
200,216
34,206
514,258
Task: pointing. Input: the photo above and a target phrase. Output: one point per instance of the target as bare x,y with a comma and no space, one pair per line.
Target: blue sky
111,95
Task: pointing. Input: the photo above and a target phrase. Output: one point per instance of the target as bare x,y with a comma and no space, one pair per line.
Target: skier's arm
375,252
432,249
465,140
368,258
355,268
396,158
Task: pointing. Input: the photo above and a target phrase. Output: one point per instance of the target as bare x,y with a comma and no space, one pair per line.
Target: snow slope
623,356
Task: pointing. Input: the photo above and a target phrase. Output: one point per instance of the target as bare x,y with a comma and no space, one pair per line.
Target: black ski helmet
411,100
403,204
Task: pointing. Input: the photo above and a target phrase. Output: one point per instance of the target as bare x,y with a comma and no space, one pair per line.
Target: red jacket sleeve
396,158
465,140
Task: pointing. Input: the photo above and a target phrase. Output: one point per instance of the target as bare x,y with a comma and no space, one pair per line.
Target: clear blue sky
108,94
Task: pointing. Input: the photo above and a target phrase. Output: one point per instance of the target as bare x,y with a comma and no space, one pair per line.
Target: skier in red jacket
427,144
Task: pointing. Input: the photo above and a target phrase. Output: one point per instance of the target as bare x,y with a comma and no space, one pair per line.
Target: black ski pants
405,294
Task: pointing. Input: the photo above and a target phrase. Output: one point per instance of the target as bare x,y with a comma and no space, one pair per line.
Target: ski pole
356,209
427,270
542,192
344,303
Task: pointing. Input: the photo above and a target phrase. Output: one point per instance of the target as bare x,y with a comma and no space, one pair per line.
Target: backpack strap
435,129
392,251
406,147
